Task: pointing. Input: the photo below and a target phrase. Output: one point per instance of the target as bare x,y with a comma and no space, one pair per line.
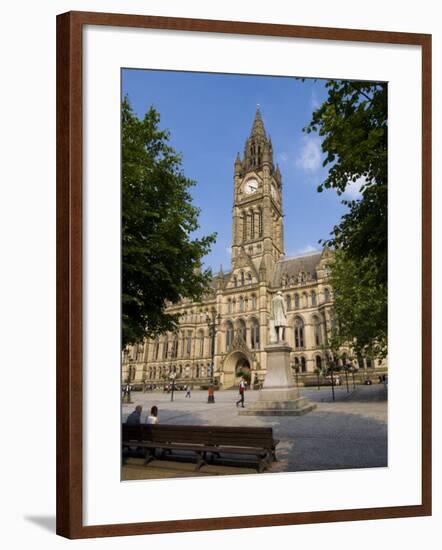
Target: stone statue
278,318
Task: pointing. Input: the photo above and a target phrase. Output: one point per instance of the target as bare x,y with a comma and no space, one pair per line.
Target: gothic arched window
255,334
260,222
305,299
241,303
242,278
249,278
183,340
201,343
317,330
288,301
165,346
318,362
296,301
189,343
313,298
303,365
253,301
326,295
175,346
134,352
299,333
229,334
141,348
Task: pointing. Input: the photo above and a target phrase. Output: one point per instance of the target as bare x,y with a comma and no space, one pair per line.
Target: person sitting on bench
153,417
135,416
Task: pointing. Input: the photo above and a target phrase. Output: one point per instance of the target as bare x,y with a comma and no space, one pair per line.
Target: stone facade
242,296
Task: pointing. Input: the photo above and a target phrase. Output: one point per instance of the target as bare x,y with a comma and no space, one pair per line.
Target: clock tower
257,203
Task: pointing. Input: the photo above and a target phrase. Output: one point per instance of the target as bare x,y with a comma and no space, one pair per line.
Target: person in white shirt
242,389
153,417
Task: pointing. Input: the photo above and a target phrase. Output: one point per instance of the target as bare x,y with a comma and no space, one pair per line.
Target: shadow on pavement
320,440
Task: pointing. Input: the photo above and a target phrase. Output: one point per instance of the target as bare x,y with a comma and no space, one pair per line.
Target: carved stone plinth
279,396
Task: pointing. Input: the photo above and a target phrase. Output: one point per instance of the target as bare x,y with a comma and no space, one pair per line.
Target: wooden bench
203,441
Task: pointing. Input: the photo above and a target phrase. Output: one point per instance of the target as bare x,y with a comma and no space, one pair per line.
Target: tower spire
258,129
258,147
257,206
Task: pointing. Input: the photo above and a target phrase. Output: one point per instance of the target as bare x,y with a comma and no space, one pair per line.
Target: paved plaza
348,433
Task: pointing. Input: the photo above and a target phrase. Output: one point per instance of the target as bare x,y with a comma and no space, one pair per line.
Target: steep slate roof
292,266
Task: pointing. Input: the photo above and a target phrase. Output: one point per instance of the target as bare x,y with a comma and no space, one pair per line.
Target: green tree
360,306
352,122
161,262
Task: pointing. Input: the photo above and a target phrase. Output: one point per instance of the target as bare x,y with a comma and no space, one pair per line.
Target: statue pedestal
279,396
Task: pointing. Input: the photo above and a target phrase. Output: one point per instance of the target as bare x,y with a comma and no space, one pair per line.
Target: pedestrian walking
242,389
127,388
211,394
188,391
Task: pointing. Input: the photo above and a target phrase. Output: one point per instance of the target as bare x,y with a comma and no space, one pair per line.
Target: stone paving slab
349,433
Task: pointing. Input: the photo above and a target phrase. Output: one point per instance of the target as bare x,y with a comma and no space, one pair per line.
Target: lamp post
353,376
172,377
213,321
127,388
365,371
346,376
331,361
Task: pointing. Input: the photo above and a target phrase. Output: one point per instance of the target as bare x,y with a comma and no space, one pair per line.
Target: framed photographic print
243,274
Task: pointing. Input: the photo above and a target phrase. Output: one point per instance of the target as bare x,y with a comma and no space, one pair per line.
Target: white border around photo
106,498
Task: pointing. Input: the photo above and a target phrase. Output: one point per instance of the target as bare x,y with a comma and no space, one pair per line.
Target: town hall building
238,303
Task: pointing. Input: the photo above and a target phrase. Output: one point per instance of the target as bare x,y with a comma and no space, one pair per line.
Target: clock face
251,186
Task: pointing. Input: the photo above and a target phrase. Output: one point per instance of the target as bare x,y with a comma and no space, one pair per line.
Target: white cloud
309,157
283,156
314,101
307,249
353,189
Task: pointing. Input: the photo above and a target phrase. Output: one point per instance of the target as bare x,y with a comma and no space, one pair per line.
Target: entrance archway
237,364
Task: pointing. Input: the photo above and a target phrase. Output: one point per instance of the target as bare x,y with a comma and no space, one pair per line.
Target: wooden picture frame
70,269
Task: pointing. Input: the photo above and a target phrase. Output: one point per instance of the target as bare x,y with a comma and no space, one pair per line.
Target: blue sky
210,116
